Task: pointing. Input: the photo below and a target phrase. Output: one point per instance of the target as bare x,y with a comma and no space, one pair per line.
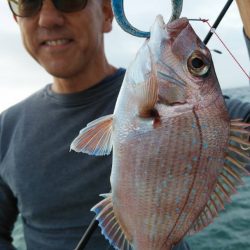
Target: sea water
230,231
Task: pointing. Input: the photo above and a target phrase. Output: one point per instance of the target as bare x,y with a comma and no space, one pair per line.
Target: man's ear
15,18
108,16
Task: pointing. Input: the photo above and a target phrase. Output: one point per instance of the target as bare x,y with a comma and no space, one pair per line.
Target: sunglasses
27,8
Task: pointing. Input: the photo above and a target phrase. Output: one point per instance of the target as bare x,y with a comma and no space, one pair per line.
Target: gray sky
20,75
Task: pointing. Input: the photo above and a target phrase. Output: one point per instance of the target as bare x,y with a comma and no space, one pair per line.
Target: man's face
66,44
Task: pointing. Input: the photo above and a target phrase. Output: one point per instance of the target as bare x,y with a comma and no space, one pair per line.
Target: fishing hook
118,9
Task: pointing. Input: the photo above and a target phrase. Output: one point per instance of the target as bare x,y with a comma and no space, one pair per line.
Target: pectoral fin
96,138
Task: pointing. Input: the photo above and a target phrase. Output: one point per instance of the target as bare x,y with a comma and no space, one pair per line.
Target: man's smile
56,42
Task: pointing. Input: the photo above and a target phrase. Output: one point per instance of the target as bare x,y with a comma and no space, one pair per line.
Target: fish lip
178,25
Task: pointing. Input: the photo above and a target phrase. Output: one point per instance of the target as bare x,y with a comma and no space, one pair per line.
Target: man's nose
49,16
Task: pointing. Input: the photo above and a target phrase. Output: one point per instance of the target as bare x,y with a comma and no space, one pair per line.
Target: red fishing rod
94,223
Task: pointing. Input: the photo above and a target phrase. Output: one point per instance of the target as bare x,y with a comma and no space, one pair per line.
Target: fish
177,156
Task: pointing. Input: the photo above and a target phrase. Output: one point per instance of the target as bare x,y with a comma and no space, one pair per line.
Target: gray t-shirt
53,188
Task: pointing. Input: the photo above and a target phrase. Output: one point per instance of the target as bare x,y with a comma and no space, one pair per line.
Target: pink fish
177,158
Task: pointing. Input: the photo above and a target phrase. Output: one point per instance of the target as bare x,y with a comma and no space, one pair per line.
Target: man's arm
8,216
244,8
238,109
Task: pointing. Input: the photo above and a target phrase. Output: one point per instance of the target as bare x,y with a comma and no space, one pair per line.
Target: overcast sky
20,75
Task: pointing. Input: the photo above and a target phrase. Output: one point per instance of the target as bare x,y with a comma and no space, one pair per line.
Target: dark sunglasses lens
70,5
25,8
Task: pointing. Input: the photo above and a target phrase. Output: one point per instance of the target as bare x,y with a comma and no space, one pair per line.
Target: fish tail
109,224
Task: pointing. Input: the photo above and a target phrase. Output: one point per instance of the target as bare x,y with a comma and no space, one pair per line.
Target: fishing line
218,20
214,32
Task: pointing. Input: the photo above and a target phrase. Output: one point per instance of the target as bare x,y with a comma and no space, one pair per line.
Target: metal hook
118,9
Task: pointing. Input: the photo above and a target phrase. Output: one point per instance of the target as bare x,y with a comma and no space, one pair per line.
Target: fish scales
149,183
172,169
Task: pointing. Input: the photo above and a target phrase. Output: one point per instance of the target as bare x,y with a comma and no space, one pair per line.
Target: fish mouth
175,27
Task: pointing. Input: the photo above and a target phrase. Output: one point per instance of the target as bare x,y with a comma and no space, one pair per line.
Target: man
53,189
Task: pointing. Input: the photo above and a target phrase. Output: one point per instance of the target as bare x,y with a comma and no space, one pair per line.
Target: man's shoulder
14,112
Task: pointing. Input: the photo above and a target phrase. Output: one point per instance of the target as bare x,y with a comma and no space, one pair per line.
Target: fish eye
197,64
